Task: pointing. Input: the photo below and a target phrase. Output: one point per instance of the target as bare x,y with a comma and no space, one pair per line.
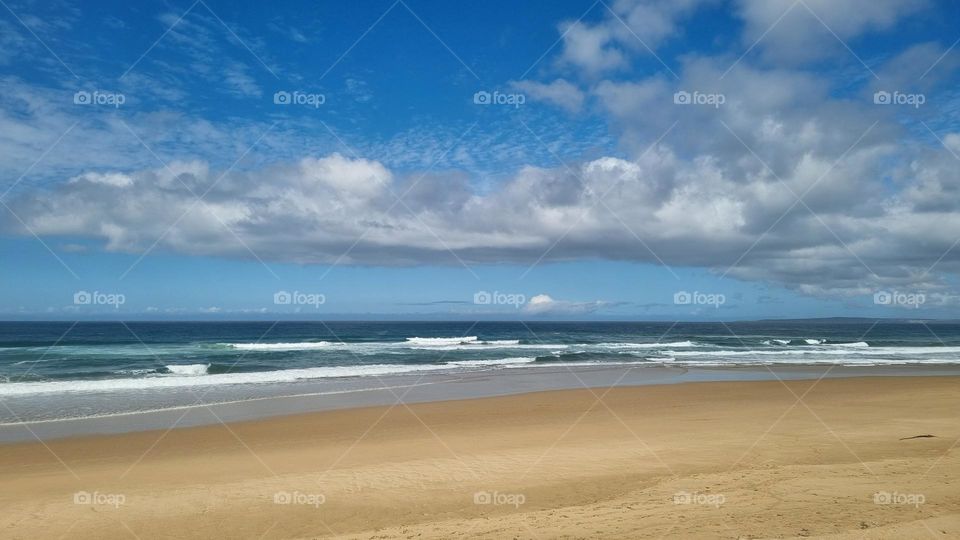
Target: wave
441,341
494,362
448,344
145,371
654,345
412,343
192,370
577,356
300,346
784,342
472,343
186,381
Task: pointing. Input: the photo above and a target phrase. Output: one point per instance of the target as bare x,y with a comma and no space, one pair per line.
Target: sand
852,459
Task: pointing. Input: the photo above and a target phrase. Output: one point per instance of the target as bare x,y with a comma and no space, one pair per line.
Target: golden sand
700,460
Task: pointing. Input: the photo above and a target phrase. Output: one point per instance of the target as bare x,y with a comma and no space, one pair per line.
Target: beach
865,457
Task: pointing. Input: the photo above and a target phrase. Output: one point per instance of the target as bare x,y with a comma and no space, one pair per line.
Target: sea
52,371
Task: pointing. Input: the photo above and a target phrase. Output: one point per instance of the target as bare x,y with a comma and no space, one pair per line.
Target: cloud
543,304
560,93
626,26
239,81
790,31
705,211
590,48
791,180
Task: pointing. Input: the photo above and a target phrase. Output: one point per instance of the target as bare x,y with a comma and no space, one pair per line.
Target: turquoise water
55,371
38,358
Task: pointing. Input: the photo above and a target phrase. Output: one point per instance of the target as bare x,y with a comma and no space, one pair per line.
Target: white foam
440,341
858,345
655,345
300,346
814,341
185,381
192,370
495,362
442,344
842,350
137,371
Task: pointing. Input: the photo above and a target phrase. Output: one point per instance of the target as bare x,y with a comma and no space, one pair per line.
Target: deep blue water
53,357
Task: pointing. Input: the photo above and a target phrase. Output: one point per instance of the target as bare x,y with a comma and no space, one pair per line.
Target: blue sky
625,159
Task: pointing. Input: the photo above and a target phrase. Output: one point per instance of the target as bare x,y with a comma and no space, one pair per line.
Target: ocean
56,370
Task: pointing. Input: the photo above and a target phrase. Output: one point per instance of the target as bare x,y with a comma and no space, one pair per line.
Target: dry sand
748,460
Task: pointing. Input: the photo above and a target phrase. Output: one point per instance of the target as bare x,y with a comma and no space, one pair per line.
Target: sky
408,159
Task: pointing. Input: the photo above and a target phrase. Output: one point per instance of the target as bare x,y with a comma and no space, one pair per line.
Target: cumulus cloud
590,48
626,26
659,207
808,30
544,304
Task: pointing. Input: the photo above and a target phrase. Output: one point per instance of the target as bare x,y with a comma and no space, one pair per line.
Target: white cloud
560,93
699,212
589,48
110,179
628,26
809,30
239,81
719,191
543,304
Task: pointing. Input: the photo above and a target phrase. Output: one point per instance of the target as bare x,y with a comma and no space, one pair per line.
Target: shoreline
748,457
343,394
